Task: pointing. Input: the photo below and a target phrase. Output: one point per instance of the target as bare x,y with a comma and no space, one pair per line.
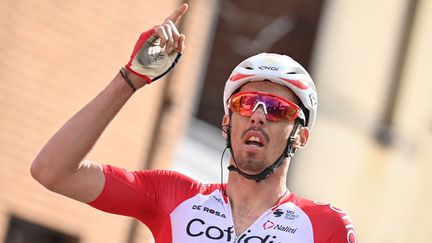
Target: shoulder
329,223
165,180
140,176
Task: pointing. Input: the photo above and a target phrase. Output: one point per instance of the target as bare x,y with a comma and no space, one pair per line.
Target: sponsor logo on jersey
351,235
198,228
278,212
290,215
208,210
271,225
217,199
268,224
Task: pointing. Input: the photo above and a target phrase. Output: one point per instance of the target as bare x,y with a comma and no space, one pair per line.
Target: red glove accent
140,42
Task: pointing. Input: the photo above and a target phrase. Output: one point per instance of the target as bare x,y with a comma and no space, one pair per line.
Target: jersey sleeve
148,195
331,225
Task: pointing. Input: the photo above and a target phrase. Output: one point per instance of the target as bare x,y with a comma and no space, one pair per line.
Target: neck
257,196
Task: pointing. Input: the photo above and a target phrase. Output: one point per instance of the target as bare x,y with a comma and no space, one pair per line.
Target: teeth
254,139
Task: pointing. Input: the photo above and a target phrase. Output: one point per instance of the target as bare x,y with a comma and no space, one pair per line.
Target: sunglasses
276,108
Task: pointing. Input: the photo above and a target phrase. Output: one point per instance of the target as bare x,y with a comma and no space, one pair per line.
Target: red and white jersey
179,209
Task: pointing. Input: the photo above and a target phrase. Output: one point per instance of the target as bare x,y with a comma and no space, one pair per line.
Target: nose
259,116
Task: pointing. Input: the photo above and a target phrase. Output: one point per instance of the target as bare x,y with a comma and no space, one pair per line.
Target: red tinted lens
277,108
242,104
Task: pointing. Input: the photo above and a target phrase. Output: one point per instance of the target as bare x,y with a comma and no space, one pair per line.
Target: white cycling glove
149,60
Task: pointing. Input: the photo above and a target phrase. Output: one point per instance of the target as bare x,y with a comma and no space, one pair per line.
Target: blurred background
369,153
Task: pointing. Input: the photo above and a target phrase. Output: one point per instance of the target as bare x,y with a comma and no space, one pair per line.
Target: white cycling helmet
279,69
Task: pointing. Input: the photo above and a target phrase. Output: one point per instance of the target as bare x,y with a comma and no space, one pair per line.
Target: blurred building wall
385,187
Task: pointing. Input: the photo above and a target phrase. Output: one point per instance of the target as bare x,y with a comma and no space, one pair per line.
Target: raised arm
59,166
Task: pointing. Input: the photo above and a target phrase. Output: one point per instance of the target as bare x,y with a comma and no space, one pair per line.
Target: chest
242,220
209,219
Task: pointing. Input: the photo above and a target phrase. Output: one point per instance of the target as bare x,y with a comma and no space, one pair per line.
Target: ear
225,124
301,138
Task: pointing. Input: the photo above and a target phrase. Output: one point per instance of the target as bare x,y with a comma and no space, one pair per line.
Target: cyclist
270,107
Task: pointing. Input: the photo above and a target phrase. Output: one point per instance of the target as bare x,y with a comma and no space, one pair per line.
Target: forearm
63,153
59,165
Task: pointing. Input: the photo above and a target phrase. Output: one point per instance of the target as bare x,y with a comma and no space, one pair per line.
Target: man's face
256,141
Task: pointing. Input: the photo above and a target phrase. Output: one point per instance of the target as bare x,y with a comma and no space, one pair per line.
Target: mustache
257,129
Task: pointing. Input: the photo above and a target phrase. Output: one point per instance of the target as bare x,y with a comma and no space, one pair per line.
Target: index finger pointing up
180,11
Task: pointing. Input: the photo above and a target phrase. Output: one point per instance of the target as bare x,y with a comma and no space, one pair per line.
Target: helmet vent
296,71
249,68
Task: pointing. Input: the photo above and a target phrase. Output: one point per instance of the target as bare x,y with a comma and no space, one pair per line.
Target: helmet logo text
268,68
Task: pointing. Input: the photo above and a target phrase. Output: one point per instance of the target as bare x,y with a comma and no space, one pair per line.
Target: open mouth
254,141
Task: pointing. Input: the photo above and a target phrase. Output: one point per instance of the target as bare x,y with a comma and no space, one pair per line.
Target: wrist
132,79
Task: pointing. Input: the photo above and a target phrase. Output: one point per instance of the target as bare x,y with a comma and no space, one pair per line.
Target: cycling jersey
179,209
